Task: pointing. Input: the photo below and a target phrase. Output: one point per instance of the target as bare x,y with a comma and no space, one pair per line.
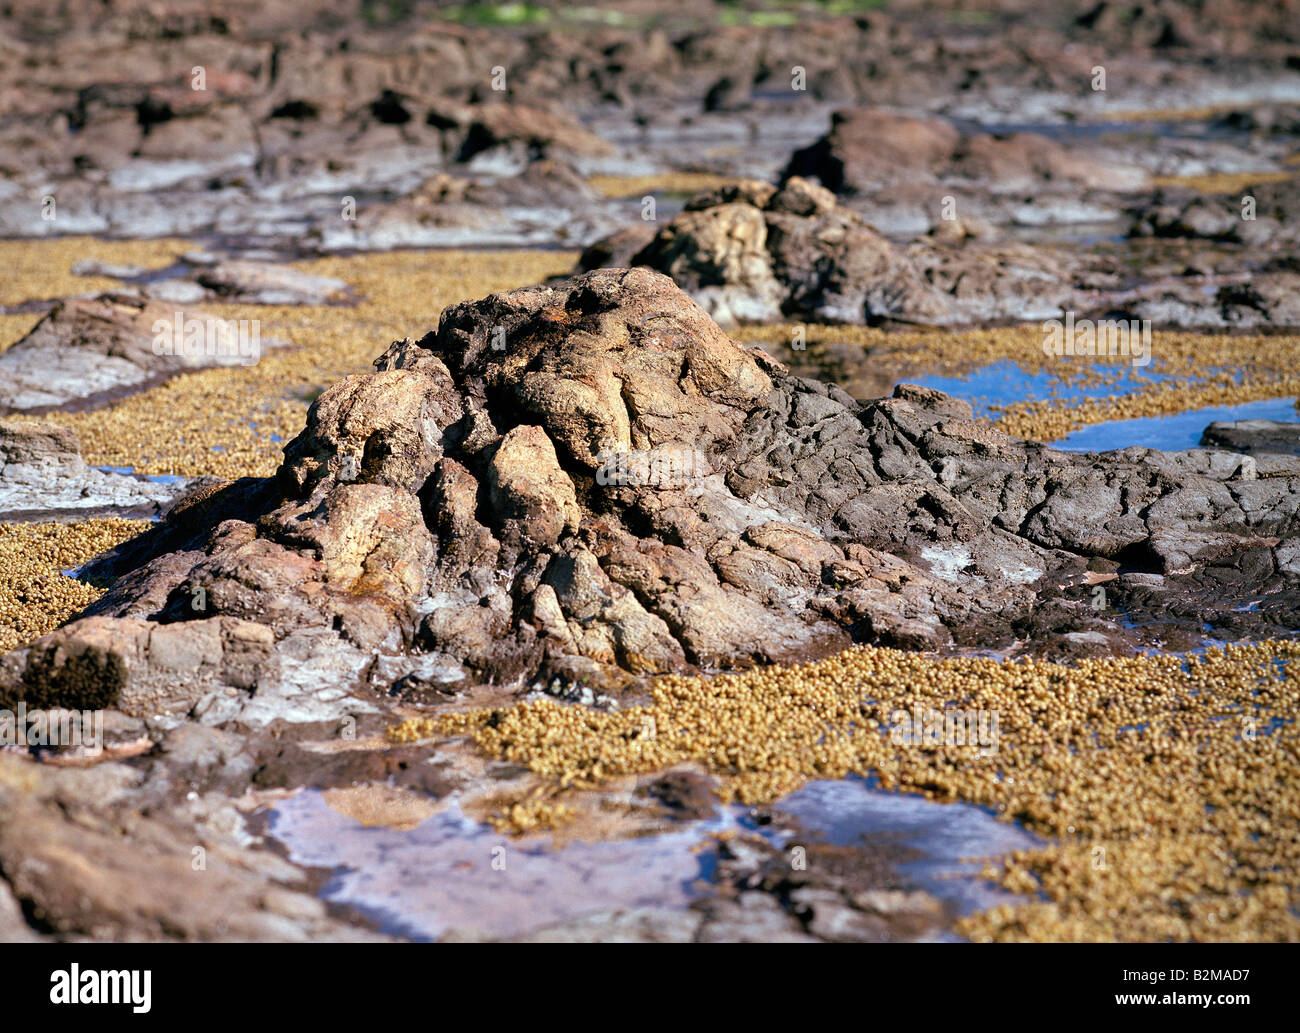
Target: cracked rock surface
592,481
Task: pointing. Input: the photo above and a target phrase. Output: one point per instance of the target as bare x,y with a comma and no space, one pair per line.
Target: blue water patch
157,478
1172,433
1005,382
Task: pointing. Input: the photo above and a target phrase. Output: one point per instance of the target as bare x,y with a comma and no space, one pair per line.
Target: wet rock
750,918
42,472
1254,437
245,281
547,201
619,925
1273,446
836,894
290,765
263,283
94,267
687,794
591,481
89,350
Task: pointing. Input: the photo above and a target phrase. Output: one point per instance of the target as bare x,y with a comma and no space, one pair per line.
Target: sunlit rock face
591,480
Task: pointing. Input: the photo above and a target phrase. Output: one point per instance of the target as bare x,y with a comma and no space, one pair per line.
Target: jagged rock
88,350
591,480
42,471
750,252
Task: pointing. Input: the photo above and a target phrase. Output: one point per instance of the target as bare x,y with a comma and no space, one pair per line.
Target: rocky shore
442,433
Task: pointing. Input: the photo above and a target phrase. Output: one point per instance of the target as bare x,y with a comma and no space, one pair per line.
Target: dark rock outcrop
867,149
1254,437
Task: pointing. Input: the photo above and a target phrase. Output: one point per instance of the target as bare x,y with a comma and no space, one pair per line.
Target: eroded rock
750,252
90,854
591,480
546,201
867,149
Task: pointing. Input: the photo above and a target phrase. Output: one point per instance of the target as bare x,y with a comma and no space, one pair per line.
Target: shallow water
1006,382
452,872
947,835
1172,433
156,478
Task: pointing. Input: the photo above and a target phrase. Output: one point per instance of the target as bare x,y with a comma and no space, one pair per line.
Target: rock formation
592,481
867,148
42,472
751,252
